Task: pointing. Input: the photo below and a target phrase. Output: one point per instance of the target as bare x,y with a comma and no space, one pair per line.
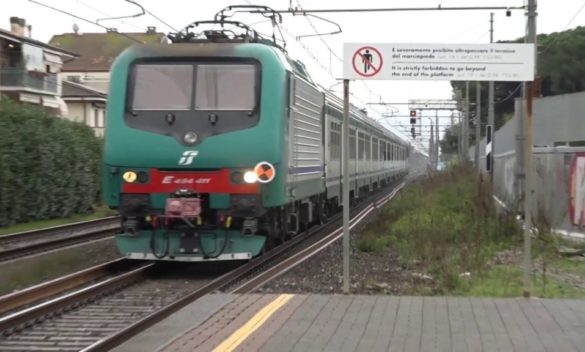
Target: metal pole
529,198
477,122
438,139
466,124
431,142
491,119
420,124
460,135
345,164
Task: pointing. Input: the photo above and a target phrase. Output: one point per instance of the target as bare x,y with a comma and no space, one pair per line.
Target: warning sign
367,61
439,62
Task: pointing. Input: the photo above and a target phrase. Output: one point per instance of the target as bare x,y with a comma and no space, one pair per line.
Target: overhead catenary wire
85,20
106,14
566,26
141,13
333,54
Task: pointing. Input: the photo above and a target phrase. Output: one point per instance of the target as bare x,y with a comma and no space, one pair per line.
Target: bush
49,167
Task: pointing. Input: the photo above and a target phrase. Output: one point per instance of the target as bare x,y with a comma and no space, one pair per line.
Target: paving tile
323,328
380,327
385,323
297,325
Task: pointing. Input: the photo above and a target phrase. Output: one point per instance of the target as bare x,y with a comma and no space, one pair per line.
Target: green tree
561,66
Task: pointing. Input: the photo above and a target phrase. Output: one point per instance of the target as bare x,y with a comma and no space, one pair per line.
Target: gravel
371,273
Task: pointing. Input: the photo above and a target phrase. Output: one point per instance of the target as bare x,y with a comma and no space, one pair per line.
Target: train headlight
250,177
190,137
129,176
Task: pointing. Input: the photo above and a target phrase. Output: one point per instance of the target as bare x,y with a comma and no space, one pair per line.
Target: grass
100,212
506,281
446,227
447,219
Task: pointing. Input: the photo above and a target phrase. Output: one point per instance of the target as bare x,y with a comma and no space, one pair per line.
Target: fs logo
188,157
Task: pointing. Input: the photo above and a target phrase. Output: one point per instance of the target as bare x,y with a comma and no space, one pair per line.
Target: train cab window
225,87
162,87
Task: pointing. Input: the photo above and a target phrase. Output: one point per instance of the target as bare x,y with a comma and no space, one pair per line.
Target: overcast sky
403,27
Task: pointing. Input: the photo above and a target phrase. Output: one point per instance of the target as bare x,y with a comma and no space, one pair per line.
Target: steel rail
31,242
22,318
59,285
312,250
229,278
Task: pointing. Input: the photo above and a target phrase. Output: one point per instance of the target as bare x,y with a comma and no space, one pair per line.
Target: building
96,52
29,69
85,104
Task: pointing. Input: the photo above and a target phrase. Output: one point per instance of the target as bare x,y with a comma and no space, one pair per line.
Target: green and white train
220,146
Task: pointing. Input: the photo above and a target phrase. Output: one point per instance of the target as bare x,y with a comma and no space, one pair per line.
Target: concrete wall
558,160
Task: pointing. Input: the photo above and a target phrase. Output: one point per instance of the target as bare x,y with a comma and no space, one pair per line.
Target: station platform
283,322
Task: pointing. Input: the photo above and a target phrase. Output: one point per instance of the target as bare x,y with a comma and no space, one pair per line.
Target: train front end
194,149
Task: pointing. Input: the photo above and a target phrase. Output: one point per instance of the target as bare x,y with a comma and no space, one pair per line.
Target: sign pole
491,119
345,163
527,94
466,124
438,139
477,122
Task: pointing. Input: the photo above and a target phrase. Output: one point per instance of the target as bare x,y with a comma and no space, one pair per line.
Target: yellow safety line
240,335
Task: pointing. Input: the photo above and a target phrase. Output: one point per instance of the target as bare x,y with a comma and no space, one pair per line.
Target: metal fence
18,78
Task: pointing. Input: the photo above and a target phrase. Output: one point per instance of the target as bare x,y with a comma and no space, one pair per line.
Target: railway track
45,290
103,315
38,241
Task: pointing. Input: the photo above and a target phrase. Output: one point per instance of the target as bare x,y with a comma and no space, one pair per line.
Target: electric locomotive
218,146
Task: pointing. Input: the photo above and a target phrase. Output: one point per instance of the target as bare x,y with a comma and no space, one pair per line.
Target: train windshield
217,87
225,87
163,87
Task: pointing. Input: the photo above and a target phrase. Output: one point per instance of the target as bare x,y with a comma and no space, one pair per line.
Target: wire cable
106,14
564,29
85,20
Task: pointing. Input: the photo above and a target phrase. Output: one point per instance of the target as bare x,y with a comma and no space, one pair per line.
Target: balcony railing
18,78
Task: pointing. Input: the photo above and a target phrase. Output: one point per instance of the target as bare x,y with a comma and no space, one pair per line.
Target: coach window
352,144
225,87
335,143
162,87
361,143
382,150
368,148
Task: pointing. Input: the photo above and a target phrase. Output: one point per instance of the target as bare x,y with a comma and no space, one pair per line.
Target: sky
320,53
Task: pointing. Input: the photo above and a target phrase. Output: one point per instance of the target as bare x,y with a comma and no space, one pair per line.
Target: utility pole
460,134
438,139
477,122
491,121
466,124
527,95
431,142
